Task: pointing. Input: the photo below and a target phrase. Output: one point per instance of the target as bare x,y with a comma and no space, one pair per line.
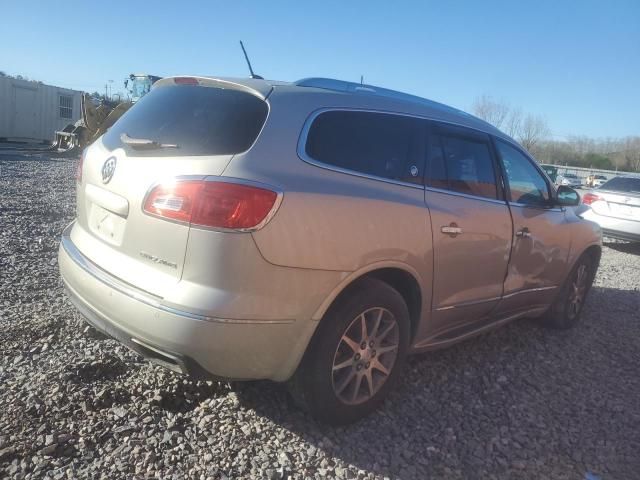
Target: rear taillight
79,168
588,198
185,81
212,204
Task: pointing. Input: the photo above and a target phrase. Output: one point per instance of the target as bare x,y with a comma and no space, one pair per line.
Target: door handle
524,233
452,229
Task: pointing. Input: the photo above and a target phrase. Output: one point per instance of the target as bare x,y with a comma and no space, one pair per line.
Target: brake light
79,168
588,198
211,204
186,81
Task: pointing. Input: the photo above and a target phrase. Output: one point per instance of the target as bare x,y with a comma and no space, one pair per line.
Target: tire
566,309
339,381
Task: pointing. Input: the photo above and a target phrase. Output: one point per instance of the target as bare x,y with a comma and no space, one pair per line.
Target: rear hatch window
199,120
623,185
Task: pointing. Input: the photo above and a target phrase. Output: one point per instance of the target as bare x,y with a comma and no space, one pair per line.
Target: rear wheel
355,356
565,312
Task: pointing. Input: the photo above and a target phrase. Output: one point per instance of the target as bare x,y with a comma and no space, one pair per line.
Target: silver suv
315,232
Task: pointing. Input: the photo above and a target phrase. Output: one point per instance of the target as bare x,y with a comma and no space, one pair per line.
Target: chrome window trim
210,178
537,207
135,293
465,195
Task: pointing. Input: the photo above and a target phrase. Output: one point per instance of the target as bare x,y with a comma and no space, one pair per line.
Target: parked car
569,180
315,232
595,181
615,206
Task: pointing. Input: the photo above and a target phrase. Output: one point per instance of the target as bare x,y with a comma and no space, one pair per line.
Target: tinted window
200,120
462,164
384,145
526,183
622,184
438,177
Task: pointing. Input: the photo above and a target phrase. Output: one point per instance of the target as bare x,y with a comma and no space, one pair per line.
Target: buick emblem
108,169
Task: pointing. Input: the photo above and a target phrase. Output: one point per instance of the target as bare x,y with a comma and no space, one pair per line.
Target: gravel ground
520,402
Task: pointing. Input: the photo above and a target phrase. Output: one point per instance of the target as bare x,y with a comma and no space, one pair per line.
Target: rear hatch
184,127
619,198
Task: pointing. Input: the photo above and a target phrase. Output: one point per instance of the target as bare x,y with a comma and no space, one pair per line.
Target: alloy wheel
578,291
365,356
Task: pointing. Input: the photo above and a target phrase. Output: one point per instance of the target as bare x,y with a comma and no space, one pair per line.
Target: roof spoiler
256,87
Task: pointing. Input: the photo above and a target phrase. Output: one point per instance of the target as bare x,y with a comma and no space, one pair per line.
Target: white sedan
569,179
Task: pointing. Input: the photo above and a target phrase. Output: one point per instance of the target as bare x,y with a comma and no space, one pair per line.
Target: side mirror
567,197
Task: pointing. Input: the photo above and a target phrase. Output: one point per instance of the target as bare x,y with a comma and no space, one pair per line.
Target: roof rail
359,88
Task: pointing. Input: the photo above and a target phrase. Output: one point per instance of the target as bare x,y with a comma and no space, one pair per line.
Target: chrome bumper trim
140,295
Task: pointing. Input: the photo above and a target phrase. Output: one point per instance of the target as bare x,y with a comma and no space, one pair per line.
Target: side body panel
469,269
333,220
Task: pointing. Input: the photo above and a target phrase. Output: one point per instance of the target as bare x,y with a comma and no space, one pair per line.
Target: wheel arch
594,250
401,277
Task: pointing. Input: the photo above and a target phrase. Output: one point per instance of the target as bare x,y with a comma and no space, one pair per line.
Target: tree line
534,134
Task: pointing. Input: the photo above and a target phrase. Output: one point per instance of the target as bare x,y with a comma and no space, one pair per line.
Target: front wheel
565,312
355,356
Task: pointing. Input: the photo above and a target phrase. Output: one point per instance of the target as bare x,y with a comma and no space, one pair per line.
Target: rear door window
378,144
199,120
460,160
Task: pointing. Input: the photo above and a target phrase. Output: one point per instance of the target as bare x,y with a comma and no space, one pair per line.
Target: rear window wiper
145,142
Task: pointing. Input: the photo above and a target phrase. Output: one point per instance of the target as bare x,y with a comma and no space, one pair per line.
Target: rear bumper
185,342
615,227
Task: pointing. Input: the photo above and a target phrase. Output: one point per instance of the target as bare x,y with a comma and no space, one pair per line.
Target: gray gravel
521,402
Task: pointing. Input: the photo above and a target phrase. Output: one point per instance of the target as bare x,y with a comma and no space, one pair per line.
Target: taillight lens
79,168
211,204
186,81
588,198
173,201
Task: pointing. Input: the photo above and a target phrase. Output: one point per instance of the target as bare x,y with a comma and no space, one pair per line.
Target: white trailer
33,111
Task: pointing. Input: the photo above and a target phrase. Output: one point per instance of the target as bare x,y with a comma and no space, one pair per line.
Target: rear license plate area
106,225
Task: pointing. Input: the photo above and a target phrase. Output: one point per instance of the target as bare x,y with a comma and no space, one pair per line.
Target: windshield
622,184
199,120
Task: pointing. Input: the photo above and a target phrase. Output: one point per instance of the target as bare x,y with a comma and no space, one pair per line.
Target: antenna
246,57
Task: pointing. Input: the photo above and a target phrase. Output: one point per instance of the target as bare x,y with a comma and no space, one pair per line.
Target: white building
32,111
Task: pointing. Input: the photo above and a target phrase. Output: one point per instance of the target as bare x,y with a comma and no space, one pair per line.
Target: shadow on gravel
108,368
503,403
627,247
187,395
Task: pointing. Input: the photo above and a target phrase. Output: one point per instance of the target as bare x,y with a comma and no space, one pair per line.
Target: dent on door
538,259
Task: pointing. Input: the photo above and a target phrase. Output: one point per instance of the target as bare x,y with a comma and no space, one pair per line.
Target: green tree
598,161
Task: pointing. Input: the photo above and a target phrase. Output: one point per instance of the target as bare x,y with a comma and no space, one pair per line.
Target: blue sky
575,62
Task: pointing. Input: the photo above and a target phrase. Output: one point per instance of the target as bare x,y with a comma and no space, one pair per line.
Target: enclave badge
108,169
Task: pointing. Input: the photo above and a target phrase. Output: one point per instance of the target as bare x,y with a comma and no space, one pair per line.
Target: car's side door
471,227
540,236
